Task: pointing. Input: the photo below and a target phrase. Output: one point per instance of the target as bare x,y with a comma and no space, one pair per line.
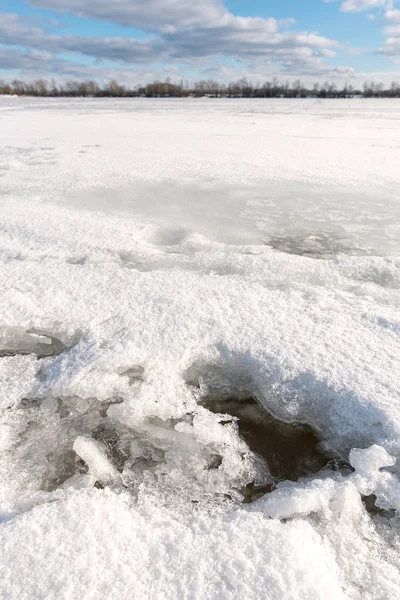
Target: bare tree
207,87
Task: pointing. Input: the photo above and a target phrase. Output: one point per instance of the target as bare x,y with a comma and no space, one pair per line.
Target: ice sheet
154,252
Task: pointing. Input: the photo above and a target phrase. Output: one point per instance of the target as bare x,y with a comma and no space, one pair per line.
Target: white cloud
393,31
245,39
391,46
360,5
35,64
180,32
151,15
15,30
351,51
393,16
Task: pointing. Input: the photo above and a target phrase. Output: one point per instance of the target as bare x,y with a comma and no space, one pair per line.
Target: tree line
167,89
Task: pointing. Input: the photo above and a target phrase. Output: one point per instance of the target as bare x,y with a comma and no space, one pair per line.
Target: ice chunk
369,461
94,454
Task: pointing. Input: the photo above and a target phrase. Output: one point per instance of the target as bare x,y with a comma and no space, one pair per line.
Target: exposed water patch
117,451
290,450
230,449
287,450
71,442
374,510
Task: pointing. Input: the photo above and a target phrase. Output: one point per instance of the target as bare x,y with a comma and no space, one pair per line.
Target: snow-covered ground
156,256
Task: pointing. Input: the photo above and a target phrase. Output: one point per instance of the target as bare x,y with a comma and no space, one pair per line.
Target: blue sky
140,40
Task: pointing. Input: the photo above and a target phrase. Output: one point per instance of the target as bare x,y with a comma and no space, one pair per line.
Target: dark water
291,450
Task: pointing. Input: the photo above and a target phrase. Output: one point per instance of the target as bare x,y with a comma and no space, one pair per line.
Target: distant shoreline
200,89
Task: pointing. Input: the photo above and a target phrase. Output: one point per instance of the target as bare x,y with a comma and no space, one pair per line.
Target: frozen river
199,349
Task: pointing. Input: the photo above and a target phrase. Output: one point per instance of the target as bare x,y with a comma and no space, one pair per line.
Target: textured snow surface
154,252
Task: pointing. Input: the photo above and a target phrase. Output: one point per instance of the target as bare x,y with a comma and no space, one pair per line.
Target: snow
151,253
156,556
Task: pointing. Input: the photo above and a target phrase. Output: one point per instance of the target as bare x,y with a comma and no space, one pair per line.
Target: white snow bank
99,545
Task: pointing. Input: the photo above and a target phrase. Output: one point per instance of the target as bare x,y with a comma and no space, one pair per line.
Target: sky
138,41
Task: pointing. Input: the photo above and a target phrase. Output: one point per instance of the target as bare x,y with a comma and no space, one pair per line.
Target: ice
368,461
14,341
93,453
185,284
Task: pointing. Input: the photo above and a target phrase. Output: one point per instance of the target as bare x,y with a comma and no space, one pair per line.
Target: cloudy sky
137,41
